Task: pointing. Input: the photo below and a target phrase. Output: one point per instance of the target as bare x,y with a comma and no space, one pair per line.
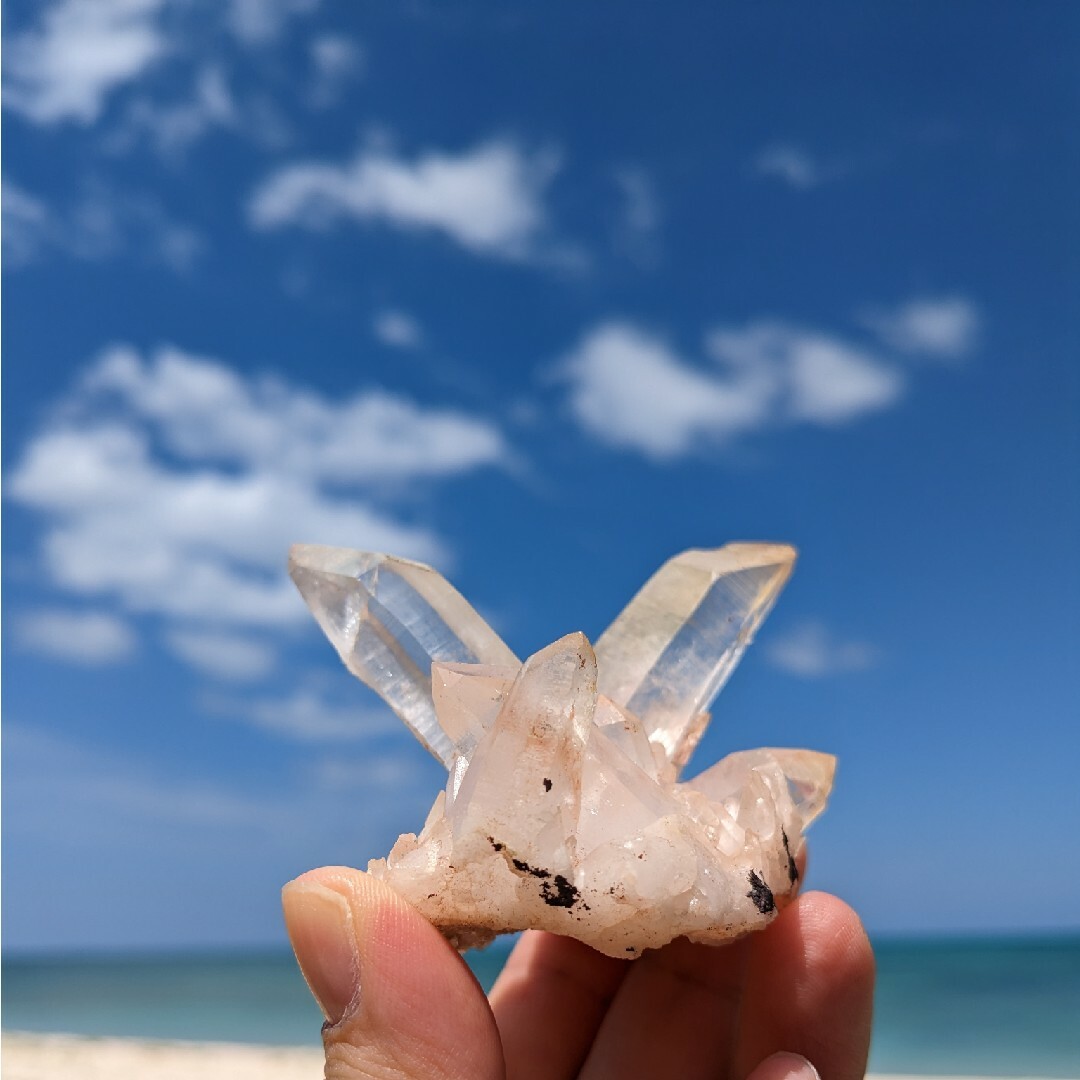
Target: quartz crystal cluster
563,808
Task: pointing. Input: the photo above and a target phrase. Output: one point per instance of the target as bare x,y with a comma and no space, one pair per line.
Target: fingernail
785,1066
320,925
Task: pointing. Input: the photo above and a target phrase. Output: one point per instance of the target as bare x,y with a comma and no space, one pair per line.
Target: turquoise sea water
995,1008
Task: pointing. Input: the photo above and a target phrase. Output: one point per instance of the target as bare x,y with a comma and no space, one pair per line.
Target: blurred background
541,296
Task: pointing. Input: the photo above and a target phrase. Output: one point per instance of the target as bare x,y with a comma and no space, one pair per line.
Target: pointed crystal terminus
673,647
389,619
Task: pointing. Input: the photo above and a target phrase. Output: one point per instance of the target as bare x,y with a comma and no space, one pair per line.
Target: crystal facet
675,644
389,618
563,810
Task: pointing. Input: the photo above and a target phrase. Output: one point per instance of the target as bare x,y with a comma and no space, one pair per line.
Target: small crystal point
467,697
673,647
389,618
540,733
808,778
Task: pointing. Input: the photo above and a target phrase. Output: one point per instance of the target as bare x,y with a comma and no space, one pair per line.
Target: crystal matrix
563,808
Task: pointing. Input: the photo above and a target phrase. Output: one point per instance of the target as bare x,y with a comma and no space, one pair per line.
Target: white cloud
254,465
398,329
189,543
488,199
90,638
832,383
811,651
790,164
631,389
945,327
81,50
259,22
81,54
818,378
208,412
230,656
335,60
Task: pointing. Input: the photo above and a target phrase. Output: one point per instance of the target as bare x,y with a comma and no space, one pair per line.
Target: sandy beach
70,1057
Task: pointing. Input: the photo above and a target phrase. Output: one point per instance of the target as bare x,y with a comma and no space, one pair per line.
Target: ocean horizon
957,1006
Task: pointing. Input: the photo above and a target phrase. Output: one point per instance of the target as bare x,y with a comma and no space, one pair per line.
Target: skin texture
400,1002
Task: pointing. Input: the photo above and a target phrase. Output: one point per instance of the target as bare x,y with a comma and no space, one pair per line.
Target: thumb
399,1002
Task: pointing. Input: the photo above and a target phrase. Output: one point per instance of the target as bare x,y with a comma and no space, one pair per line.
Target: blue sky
541,297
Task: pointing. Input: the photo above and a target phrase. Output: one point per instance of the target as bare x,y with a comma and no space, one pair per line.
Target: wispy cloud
66,67
174,122
26,225
488,200
812,651
102,223
631,389
791,165
381,772
260,22
944,327
398,329
80,810
174,126
88,638
199,536
638,225
309,715
231,656
101,794
335,61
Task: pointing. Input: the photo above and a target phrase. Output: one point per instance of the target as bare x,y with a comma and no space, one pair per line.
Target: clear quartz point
389,619
674,645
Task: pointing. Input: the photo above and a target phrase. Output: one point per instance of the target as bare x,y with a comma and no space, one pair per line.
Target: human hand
400,1003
